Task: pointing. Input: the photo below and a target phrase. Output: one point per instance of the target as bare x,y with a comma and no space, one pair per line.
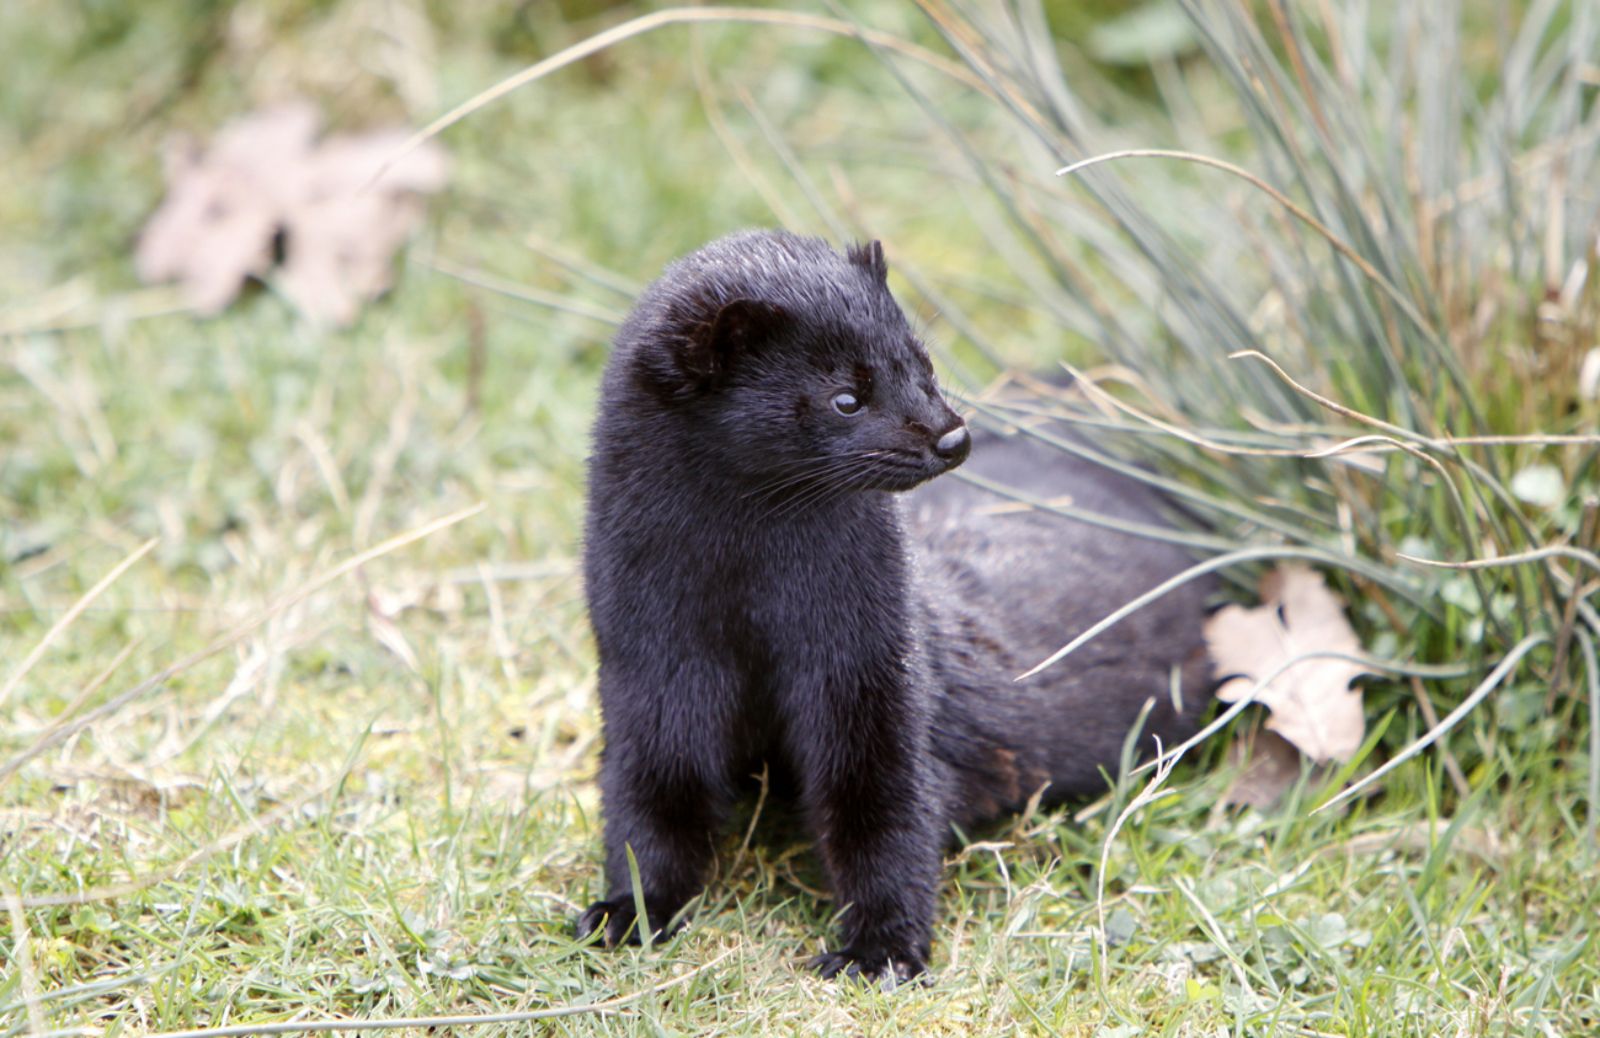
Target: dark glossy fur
760,596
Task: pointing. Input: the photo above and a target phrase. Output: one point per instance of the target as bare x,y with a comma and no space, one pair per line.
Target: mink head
793,366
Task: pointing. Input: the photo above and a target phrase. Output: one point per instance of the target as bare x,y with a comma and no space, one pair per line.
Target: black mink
763,594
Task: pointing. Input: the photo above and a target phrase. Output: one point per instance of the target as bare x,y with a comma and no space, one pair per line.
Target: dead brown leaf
266,182
1268,766
1312,703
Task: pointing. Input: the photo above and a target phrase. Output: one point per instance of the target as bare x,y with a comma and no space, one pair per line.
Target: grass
374,799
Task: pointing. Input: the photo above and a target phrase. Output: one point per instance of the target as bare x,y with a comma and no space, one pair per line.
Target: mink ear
869,256
739,327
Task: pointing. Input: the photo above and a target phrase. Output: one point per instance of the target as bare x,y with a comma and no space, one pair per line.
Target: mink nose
953,446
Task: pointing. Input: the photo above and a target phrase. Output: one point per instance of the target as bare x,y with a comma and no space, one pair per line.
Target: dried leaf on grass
1312,703
265,186
1267,765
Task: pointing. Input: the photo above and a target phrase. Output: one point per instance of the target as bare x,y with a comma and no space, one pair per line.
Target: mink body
763,594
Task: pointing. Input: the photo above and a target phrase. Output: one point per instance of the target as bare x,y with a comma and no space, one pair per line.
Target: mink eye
847,404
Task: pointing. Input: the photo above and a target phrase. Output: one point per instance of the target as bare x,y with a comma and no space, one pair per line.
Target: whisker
792,477
851,466
805,470
821,471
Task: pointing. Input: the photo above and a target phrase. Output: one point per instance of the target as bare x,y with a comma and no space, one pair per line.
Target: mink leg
664,799
670,828
869,801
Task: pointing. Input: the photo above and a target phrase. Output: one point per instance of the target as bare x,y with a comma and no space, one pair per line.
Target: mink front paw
890,969
617,917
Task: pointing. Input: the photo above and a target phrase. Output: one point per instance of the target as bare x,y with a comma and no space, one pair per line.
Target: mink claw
887,970
613,920
617,920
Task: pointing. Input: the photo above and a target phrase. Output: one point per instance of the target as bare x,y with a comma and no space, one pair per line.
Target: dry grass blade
1218,935
1147,795
1339,245
1238,706
1591,672
432,1022
47,737
111,891
660,19
527,293
1323,401
1554,551
300,594
1166,587
1095,392
22,957
1083,515
1453,718
72,614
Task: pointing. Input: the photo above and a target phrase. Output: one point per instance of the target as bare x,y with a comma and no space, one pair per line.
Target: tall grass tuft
1343,277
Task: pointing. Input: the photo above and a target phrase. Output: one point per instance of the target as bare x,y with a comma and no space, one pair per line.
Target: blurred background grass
376,801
